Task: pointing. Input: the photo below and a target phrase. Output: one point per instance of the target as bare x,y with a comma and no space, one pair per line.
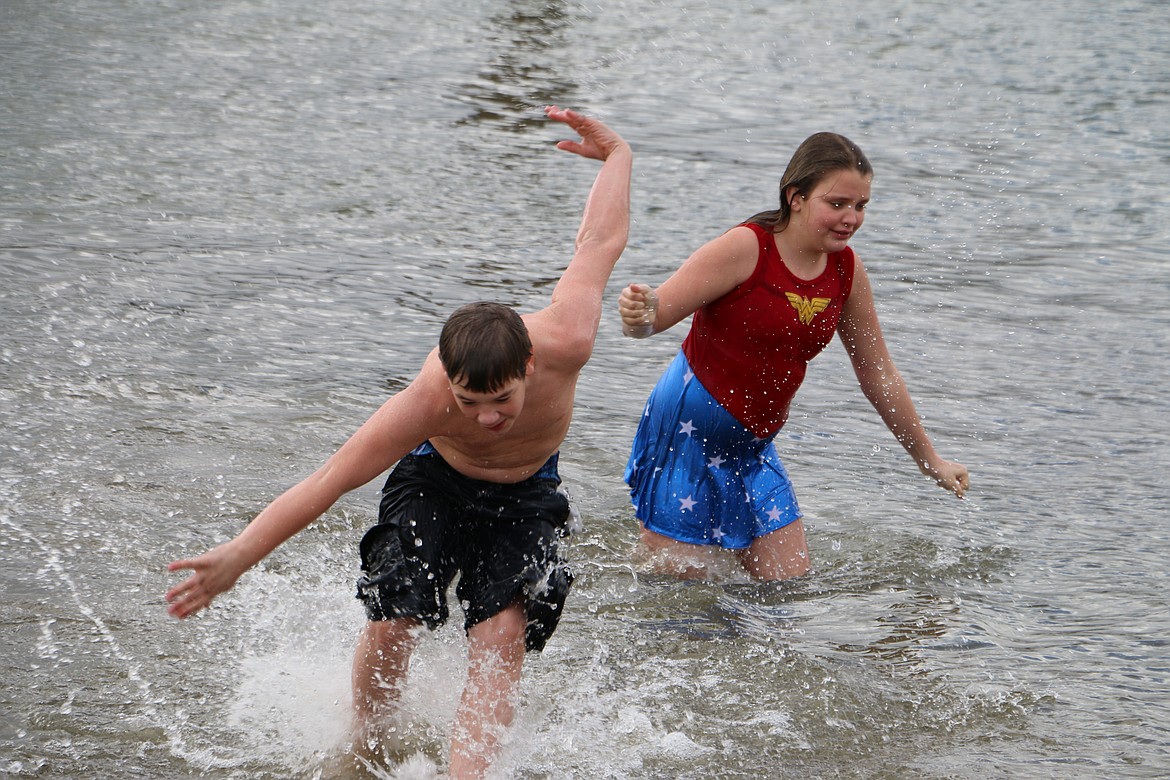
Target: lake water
228,230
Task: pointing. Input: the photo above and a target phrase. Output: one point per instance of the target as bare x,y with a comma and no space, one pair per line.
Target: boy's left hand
598,141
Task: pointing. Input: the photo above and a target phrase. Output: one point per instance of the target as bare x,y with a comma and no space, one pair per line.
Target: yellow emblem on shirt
806,308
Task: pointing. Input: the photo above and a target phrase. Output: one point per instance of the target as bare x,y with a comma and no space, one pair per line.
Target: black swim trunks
502,539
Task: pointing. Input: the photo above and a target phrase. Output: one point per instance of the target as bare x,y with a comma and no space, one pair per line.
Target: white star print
688,376
688,428
686,504
774,514
717,534
715,462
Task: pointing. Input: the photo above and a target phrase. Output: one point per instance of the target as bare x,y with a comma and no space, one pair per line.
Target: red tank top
751,348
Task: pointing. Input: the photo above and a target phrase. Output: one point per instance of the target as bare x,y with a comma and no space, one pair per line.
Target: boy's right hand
215,571
638,305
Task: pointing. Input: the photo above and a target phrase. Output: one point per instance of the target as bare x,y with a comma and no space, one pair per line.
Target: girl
767,297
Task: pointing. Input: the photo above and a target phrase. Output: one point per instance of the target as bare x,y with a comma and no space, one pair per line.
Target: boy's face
495,412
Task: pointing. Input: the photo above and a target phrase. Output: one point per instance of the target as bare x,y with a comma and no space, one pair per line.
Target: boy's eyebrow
463,396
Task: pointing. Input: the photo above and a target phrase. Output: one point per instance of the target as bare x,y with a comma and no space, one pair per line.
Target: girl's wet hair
818,156
483,346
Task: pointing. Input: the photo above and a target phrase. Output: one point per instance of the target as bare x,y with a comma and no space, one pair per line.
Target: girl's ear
794,198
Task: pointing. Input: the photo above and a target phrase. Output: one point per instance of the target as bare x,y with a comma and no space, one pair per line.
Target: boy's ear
529,365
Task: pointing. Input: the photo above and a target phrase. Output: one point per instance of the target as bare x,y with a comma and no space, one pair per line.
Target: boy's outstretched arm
403,421
604,230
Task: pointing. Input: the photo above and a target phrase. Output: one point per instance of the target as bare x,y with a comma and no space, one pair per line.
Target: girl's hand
950,475
638,305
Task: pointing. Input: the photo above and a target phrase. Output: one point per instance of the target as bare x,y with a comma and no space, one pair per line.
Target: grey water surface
228,230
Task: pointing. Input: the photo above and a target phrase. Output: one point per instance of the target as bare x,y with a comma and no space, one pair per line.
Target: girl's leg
678,559
779,555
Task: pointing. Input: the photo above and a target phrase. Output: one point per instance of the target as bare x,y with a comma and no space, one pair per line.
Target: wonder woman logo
806,308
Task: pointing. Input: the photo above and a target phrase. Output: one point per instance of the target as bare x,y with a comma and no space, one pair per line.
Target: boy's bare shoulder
425,407
431,391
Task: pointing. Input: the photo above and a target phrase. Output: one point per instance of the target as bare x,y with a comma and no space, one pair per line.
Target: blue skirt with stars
697,475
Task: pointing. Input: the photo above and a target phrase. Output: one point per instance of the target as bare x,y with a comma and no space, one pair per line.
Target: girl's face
829,215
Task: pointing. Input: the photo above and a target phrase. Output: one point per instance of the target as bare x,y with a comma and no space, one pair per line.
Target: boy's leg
380,661
495,658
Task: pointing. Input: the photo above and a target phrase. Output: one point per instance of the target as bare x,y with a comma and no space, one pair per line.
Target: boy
475,437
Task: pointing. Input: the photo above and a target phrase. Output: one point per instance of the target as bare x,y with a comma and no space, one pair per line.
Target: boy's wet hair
817,156
483,346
